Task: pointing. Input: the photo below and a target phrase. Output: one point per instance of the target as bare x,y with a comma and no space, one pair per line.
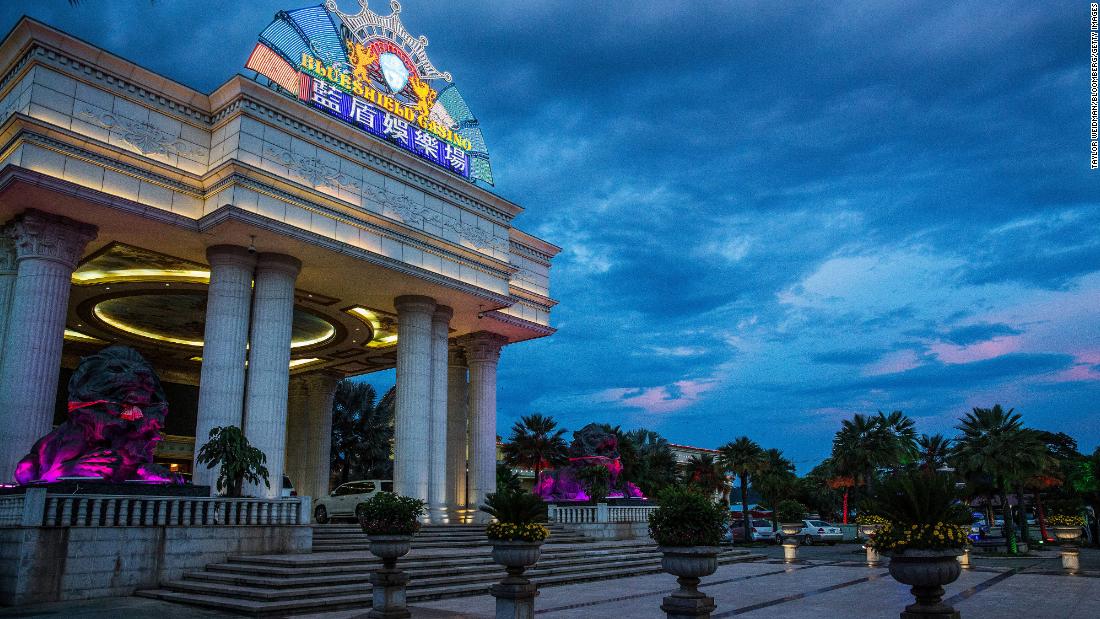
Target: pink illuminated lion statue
116,411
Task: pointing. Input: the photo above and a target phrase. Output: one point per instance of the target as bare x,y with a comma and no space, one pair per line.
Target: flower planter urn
790,540
1071,560
868,531
927,571
515,594
389,582
689,564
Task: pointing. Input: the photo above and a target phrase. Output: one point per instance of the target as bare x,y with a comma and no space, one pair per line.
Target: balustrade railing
594,514
37,508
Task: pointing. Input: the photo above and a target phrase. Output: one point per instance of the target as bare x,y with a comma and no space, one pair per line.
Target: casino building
325,215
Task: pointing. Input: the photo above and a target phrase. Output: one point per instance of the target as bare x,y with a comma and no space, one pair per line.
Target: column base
389,595
1071,560
790,552
682,607
515,600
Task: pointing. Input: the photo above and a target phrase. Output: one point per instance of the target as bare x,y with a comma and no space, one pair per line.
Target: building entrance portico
255,251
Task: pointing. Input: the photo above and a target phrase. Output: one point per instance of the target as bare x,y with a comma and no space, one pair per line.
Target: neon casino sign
368,71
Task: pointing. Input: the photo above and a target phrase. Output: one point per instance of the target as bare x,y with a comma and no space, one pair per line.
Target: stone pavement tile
113,608
1038,597
733,586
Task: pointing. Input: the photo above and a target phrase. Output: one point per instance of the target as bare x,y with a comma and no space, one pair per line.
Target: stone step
333,559
486,575
249,576
324,599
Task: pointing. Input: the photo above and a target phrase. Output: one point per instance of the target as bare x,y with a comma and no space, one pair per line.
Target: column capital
233,255
279,262
414,303
443,314
456,357
36,234
7,251
482,346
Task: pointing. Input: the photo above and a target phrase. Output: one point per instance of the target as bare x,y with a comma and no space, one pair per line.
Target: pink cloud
952,353
891,363
660,399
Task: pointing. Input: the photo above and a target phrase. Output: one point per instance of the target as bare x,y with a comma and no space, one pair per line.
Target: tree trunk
1009,530
1025,532
538,470
747,525
846,505
1041,516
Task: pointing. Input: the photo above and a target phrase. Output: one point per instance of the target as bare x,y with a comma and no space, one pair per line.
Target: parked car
761,530
288,488
815,531
343,499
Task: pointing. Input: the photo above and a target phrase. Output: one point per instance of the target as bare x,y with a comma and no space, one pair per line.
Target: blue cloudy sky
773,214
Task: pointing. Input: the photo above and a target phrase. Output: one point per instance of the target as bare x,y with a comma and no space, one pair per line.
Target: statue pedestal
99,486
389,594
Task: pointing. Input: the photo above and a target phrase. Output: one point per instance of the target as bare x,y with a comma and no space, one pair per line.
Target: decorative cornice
541,329
142,135
422,182
529,253
45,236
313,170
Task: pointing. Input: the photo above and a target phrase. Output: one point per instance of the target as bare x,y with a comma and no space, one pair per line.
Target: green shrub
388,514
596,480
685,517
514,506
240,461
789,511
924,512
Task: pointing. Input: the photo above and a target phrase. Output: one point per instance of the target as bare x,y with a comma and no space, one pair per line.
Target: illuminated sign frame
368,71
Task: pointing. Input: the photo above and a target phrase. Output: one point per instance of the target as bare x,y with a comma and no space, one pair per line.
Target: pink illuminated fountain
592,446
116,411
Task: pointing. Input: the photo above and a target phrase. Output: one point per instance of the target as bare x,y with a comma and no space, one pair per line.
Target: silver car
817,531
342,501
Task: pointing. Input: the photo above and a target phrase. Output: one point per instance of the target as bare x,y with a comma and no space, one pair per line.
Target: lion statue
116,411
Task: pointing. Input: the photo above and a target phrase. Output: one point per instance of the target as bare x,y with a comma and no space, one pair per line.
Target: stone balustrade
36,508
602,513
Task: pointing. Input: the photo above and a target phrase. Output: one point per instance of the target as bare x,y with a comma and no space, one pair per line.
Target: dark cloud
972,334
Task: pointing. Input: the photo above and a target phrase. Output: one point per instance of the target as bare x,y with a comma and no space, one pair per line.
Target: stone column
482,353
437,442
317,467
414,395
7,283
456,435
47,248
269,364
225,348
298,433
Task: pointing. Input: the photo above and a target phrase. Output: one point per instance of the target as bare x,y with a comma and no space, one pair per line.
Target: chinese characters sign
415,137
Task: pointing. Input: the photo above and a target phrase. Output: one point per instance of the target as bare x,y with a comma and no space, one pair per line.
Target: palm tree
362,431
704,473
995,443
775,479
743,457
932,451
905,435
867,443
536,443
655,464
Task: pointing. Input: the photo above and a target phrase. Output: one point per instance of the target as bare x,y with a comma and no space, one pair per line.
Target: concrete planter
516,553
515,594
389,582
790,529
869,530
927,571
689,564
1066,534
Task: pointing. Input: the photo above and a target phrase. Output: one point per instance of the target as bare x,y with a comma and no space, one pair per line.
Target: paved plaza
830,583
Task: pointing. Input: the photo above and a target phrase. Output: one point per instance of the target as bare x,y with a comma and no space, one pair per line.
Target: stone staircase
341,538
449,561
